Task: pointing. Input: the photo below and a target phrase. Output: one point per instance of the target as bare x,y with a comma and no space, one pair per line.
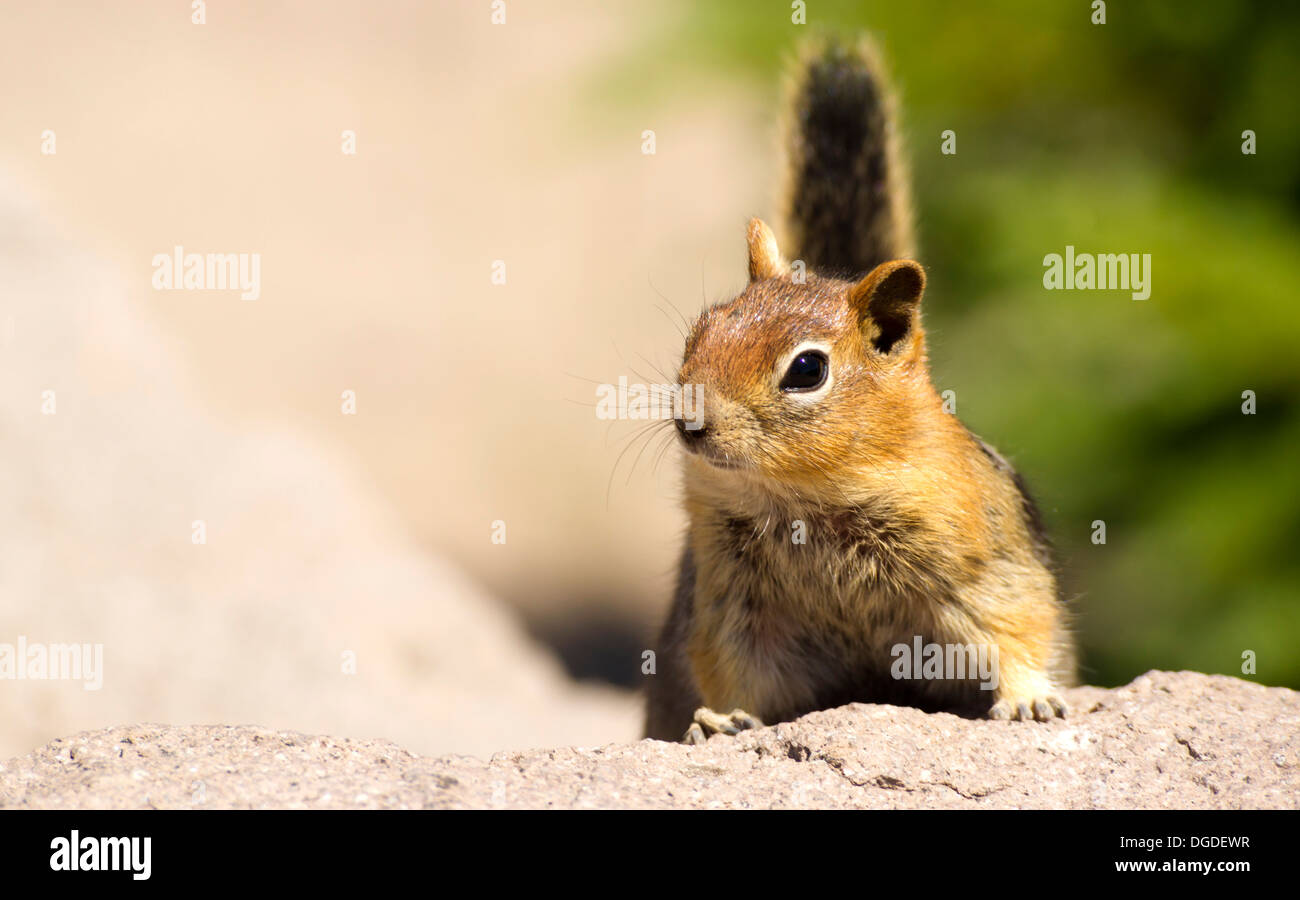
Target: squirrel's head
801,383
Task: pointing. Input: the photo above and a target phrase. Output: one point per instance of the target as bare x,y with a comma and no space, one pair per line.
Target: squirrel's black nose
691,431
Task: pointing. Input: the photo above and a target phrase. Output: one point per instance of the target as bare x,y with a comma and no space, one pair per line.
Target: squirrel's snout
692,432
719,438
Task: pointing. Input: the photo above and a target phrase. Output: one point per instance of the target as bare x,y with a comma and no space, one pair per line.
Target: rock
1168,740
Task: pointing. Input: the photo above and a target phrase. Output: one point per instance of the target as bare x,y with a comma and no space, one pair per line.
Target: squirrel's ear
888,301
764,256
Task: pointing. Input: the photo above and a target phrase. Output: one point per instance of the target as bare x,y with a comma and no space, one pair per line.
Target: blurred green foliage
1123,137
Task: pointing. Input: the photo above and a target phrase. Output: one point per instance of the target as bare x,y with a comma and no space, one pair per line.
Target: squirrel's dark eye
807,372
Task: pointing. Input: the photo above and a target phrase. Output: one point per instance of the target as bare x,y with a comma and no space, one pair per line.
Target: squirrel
817,416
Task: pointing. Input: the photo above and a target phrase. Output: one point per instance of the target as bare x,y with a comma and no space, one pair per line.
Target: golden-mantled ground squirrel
840,518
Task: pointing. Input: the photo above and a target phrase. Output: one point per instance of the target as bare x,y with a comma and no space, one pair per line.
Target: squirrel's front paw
1028,708
709,722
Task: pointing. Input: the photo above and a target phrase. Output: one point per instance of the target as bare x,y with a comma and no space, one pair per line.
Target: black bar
329,849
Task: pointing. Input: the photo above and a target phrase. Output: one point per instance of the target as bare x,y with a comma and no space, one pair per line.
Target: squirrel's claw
709,722
1041,708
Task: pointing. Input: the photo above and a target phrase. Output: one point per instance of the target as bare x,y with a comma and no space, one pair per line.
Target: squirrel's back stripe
848,206
1029,510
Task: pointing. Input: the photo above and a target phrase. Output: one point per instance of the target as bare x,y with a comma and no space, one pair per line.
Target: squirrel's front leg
723,684
1025,690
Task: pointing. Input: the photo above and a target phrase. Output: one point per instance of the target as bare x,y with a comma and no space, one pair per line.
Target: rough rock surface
1168,740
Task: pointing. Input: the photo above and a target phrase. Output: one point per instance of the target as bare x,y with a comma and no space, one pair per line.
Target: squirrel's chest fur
797,610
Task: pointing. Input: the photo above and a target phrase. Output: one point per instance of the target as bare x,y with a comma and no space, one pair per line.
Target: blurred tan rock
303,569
1167,741
475,143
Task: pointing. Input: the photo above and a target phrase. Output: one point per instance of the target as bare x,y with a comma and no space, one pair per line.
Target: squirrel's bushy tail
848,206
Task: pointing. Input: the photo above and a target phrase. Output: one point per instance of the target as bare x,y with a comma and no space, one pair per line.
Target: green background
1122,137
